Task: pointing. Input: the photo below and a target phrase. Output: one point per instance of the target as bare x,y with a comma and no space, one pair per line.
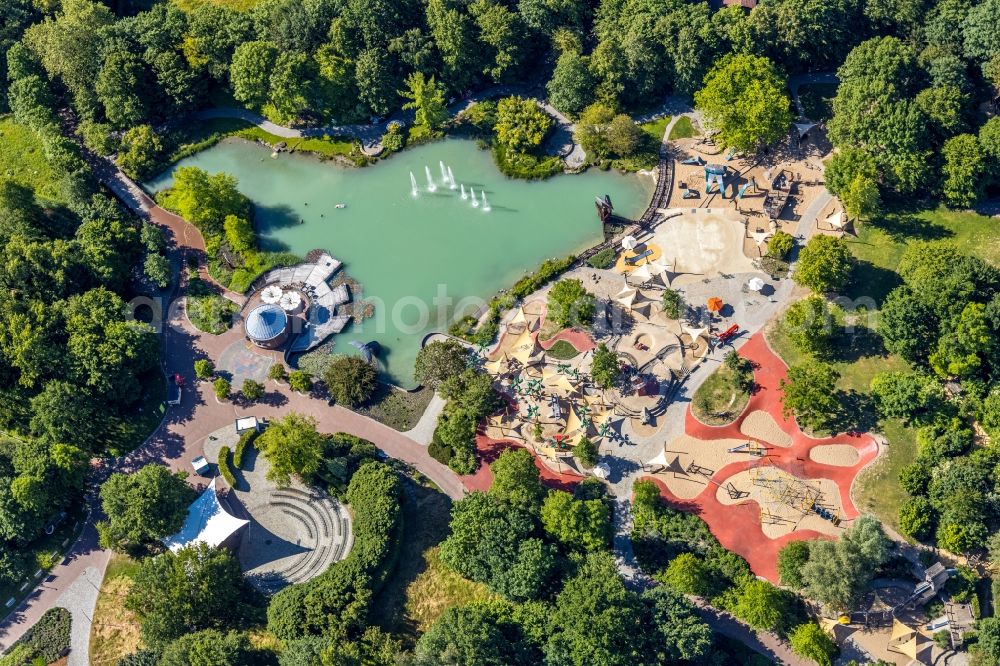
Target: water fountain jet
451,179
431,187
413,185
486,204
464,195
475,202
444,172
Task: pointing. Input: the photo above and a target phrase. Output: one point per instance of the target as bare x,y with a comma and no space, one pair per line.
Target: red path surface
488,450
737,527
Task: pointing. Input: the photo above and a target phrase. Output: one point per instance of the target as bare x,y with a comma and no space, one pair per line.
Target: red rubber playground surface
738,527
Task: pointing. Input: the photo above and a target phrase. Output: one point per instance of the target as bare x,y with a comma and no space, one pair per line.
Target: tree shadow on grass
871,281
907,225
426,515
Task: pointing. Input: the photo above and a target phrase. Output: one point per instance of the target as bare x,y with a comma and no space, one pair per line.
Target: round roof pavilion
266,322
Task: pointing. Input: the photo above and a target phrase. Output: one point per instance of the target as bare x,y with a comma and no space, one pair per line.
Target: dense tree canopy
143,507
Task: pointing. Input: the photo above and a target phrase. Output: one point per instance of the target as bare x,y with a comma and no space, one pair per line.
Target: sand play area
703,243
761,425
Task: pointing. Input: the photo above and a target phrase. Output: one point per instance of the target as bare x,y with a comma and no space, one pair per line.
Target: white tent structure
289,301
601,470
207,522
641,275
629,243
755,284
271,294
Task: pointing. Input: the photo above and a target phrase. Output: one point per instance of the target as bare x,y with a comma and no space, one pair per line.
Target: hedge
225,467
246,439
338,600
45,642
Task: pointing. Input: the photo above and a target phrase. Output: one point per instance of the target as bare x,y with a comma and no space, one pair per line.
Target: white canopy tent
629,243
755,284
271,294
289,301
206,522
641,275
601,470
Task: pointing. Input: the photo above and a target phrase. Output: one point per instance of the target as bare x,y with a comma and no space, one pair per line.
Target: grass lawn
202,135
115,631
562,350
22,160
719,400
400,410
421,588
684,129
656,128
817,100
876,489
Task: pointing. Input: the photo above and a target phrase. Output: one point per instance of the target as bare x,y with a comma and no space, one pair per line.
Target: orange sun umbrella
715,304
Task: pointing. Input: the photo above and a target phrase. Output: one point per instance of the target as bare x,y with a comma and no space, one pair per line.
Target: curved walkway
561,143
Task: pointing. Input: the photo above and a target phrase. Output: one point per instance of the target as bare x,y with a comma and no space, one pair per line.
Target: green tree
592,130
291,87
139,151
791,558
374,81
206,200
570,304
521,125
964,170
209,647
571,87
810,394
300,381
987,648
824,265
252,390
810,641
759,604
966,344
908,326
586,452
277,372
439,360
688,574
604,367
838,571
426,99
780,245
177,593
204,368
454,36
809,325
351,380
477,633
746,100
490,542
250,72
904,394
141,507
917,518
501,32
157,268
516,480
222,388
239,235
291,445
979,37
124,87
624,136
861,197
583,525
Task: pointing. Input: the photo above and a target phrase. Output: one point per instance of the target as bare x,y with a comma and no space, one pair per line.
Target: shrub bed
246,439
225,467
44,643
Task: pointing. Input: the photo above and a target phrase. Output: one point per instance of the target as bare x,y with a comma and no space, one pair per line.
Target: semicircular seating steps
327,531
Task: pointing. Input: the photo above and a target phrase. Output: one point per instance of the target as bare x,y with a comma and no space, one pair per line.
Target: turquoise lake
418,257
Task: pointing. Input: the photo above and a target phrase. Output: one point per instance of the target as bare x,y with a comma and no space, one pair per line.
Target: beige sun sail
523,347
